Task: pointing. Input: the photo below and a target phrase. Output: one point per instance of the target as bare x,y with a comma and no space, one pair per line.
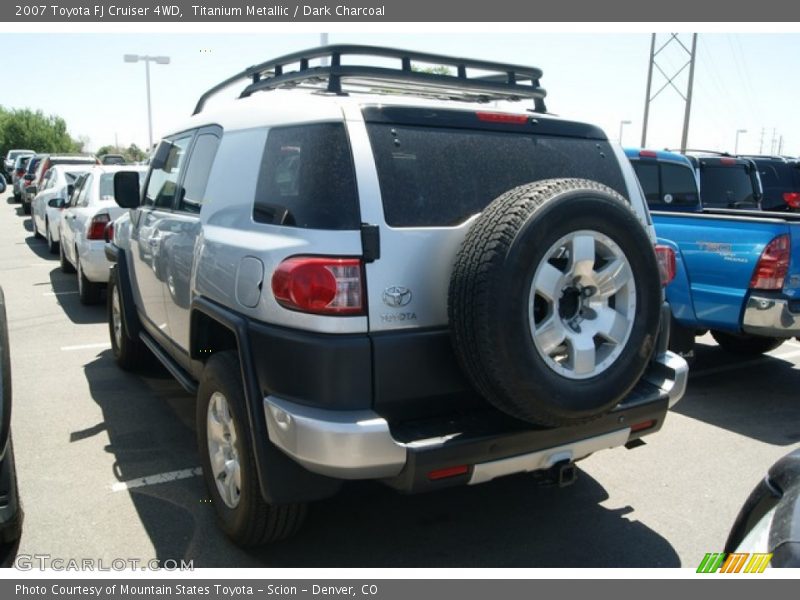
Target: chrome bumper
359,445
770,317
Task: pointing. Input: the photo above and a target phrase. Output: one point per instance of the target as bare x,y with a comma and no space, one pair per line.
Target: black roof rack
500,81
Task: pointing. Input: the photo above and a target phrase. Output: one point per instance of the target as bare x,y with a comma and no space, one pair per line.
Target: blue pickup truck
737,270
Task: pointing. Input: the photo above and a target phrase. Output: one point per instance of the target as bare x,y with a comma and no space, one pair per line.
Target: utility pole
780,146
761,143
686,114
670,82
772,145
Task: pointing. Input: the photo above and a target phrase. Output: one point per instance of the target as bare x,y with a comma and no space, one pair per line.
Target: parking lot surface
108,469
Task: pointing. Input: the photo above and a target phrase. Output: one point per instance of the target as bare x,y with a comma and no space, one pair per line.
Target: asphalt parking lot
107,464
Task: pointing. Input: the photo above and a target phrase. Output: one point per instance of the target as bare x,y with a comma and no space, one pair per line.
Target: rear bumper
360,444
94,263
770,316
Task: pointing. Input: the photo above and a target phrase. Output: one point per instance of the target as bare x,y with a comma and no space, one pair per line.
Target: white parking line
121,486
740,365
86,346
58,293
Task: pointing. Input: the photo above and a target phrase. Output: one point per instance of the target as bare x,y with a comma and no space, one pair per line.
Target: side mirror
126,189
159,160
30,176
57,203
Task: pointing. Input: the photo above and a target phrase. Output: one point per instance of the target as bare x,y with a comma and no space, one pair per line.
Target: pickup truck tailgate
720,250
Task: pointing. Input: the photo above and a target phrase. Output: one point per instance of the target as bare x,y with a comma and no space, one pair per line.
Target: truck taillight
20,172
320,285
773,265
792,199
97,227
665,257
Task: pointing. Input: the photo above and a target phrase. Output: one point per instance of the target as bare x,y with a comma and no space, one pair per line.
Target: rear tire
52,246
66,266
89,292
129,353
554,301
744,344
228,461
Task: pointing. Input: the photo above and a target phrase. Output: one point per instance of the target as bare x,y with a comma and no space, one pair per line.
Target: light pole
736,144
160,60
621,126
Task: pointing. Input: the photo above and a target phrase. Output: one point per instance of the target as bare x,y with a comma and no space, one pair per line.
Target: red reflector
665,257
792,199
727,161
773,265
325,286
643,425
448,472
648,154
97,227
493,117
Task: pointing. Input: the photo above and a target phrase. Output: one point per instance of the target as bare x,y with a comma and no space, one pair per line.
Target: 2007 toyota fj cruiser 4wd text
369,272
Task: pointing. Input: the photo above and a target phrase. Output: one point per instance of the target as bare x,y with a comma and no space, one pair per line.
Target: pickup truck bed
717,254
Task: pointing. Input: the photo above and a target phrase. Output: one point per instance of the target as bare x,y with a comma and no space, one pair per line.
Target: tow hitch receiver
562,474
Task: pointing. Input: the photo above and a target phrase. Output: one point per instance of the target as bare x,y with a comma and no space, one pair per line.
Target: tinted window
777,178
438,177
726,187
648,177
678,183
163,184
81,198
33,163
307,180
197,171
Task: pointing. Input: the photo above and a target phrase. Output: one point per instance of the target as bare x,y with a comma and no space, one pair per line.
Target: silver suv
373,272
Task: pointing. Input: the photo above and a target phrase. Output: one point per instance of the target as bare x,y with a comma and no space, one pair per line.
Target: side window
46,181
76,190
163,184
81,198
648,177
307,179
197,171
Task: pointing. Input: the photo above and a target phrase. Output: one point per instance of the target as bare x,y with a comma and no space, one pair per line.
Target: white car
46,207
82,229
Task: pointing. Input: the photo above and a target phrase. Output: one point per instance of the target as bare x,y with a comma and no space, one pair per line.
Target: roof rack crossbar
508,82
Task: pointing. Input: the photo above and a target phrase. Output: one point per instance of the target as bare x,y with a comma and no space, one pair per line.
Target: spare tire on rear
554,301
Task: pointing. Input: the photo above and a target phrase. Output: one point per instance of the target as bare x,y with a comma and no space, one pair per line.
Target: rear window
433,177
777,177
726,186
307,179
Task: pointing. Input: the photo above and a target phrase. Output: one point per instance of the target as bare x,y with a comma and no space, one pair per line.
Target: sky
743,81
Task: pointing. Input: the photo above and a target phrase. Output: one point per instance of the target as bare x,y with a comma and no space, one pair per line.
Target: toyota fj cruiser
373,272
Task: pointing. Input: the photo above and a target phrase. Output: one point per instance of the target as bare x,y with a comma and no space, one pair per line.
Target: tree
24,128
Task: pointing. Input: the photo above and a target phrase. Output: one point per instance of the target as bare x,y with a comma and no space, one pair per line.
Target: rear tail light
665,257
792,199
647,154
20,172
320,285
493,117
727,161
773,265
97,227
